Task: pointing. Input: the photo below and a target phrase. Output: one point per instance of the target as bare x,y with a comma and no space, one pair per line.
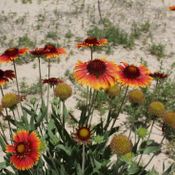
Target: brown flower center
20,148
96,67
1,73
83,133
12,52
131,72
50,48
91,40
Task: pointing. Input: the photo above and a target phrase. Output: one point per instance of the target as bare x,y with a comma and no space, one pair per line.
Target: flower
5,76
50,51
82,135
169,118
38,52
158,75
63,91
12,54
96,73
156,108
10,100
131,75
92,41
25,150
172,8
136,96
113,91
120,144
52,81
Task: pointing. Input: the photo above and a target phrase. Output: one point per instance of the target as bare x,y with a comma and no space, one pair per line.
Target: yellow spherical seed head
169,119
63,91
113,91
156,108
121,145
84,132
136,96
20,148
10,100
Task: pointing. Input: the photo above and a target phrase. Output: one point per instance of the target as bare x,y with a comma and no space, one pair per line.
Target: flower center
1,74
132,72
91,40
12,52
20,148
84,133
96,67
50,48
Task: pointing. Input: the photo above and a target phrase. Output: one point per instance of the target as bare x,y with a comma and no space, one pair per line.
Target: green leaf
3,165
65,149
133,168
2,143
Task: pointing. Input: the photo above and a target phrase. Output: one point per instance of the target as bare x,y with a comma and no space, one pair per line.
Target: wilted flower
63,91
121,145
169,118
5,76
156,108
159,75
136,96
25,150
52,81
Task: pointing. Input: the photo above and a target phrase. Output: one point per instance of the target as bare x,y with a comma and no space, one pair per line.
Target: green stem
120,108
91,48
17,84
63,109
83,159
40,79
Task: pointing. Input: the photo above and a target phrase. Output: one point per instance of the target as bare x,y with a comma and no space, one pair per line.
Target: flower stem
40,79
91,48
83,159
17,84
120,108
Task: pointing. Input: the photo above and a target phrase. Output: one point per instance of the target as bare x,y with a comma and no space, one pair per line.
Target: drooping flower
136,96
132,75
172,8
121,145
97,73
25,150
169,119
82,135
113,91
63,91
12,54
159,75
38,52
52,81
91,42
5,76
156,108
10,100
50,51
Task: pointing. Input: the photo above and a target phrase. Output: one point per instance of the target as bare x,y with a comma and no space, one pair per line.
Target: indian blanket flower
5,76
38,52
25,150
52,81
132,75
83,135
12,54
97,73
10,100
91,42
50,51
159,75
121,145
172,8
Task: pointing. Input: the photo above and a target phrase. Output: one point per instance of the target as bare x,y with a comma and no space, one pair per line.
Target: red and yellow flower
50,51
172,8
25,150
83,135
91,42
97,73
12,54
132,75
38,52
5,76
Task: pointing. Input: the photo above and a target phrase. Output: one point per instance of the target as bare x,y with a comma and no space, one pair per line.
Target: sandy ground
71,15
